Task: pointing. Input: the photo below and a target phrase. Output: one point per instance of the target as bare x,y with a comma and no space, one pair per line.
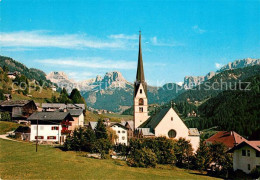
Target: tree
64,97
100,130
222,159
183,152
144,157
53,99
76,97
2,97
202,157
5,69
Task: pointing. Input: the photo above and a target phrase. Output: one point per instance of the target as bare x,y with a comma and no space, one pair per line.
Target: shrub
161,146
144,157
255,173
5,116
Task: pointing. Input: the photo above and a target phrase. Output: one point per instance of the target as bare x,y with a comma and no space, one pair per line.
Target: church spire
140,68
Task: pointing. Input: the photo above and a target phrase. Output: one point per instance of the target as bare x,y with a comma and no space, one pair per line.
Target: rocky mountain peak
241,63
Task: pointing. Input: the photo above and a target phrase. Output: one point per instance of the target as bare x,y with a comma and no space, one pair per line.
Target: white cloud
218,65
95,63
155,42
123,36
197,29
47,39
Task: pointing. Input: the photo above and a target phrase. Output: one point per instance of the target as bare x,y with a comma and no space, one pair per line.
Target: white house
164,123
50,126
246,156
121,132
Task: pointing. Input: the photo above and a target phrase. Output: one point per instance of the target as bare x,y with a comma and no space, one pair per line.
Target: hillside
14,65
37,91
236,110
220,82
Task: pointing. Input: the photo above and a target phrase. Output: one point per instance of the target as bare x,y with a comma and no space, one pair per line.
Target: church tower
140,92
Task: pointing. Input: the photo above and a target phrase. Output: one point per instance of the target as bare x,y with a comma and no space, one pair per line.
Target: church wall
195,142
178,125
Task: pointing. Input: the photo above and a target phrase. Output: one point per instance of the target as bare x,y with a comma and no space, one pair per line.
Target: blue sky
87,38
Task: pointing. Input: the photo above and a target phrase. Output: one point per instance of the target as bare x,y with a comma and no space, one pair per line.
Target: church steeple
140,92
140,68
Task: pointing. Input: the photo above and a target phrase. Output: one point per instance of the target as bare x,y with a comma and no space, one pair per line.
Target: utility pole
37,137
58,134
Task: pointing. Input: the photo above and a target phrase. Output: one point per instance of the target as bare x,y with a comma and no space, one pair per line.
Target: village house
164,123
246,156
228,138
130,129
50,126
92,125
19,110
47,107
120,129
12,75
121,132
78,117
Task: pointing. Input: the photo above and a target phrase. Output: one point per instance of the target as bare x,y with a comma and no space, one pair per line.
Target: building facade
50,126
246,156
121,132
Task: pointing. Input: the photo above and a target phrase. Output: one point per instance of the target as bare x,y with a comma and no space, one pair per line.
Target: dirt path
4,136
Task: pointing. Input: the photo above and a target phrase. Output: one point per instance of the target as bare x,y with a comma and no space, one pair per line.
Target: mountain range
113,92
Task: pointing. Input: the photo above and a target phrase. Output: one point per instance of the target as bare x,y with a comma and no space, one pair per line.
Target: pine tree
76,97
100,130
202,157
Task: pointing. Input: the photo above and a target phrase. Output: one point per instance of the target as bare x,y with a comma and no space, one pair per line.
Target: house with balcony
50,126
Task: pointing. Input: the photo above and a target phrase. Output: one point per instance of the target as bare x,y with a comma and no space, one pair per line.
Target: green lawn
6,126
18,160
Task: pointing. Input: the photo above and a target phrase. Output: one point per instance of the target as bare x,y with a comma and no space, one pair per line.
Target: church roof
153,121
140,70
145,131
193,132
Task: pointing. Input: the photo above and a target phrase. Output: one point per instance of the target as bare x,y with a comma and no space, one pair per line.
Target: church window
141,109
141,91
123,138
172,133
141,101
118,131
248,153
171,118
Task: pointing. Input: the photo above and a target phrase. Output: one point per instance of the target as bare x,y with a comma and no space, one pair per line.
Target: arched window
141,101
172,133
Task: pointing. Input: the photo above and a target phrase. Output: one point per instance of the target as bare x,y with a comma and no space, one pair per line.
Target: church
164,123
